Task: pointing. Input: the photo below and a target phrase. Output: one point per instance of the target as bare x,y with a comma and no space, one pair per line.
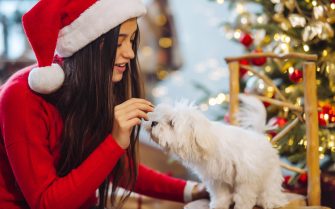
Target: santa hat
64,27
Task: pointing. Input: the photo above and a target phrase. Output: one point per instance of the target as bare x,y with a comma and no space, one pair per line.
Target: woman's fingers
131,102
137,106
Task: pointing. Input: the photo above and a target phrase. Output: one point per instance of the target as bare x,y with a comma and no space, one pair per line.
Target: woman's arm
25,127
158,185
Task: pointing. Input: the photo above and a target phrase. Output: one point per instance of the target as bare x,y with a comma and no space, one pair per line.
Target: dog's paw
218,205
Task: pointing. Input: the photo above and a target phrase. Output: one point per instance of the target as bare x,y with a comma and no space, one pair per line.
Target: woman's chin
116,78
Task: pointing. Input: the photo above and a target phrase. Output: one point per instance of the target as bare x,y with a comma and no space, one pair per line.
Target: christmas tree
283,26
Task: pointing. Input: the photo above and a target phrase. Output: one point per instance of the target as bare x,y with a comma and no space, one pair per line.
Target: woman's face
124,52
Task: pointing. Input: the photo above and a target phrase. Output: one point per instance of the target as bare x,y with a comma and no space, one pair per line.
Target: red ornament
303,178
295,75
326,115
226,118
260,60
243,71
280,121
322,118
287,180
246,39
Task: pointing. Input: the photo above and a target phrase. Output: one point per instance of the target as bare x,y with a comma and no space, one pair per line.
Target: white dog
237,165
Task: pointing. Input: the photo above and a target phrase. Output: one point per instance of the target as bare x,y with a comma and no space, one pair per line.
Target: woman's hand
126,116
199,192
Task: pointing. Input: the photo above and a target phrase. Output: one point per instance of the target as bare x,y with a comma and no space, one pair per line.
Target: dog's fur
237,165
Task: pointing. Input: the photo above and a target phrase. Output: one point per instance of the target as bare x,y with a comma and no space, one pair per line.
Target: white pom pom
46,80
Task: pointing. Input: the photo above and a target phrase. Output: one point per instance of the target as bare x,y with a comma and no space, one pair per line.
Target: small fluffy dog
238,165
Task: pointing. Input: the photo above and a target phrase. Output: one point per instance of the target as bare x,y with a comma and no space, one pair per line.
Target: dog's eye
171,123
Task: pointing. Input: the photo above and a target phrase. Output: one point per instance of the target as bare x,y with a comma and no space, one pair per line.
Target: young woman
70,128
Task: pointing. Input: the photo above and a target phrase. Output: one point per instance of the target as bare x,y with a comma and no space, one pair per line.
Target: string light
306,48
325,53
237,34
221,98
165,42
212,101
322,156
314,3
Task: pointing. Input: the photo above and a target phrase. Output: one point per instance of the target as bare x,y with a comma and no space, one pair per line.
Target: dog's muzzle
153,123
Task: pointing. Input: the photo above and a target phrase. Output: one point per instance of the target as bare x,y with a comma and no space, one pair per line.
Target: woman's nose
128,52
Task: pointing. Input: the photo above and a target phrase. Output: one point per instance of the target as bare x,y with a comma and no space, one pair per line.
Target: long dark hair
86,102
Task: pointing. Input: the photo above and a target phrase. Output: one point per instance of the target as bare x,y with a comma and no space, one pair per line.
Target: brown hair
86,102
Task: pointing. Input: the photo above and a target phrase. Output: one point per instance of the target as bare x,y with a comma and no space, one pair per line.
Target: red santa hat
64,27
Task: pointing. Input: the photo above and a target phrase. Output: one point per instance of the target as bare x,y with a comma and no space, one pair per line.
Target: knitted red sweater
30,129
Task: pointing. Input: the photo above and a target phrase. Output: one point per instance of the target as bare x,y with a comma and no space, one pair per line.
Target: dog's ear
203,135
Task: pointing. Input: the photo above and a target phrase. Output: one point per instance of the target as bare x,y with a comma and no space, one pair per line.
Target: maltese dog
237,164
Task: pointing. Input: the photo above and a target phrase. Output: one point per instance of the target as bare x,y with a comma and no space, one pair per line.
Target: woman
71,127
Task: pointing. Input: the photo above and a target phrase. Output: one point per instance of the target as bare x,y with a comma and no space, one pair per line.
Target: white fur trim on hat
46,80
98,19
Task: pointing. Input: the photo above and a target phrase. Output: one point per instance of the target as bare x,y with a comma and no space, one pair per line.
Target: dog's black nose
153,123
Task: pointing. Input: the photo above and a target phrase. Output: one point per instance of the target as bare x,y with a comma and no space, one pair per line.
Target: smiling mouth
121,65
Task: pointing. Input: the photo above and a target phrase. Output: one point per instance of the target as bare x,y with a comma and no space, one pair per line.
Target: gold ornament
309,33
319,12
319,29
281,19
297,20
290,4
326,31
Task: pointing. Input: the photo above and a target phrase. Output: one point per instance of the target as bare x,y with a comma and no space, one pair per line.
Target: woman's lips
120,69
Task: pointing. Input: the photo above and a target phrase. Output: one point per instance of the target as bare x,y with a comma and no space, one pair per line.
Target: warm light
161,20
318,69
290,142
212,101
161,74
221,98
260,19
276,37
326,117
324,53
299,101
322,156
250,73
306,48
261,86
165,42
314,3
291,70
240,8
320,149
332,6
268,69
237,34
220,1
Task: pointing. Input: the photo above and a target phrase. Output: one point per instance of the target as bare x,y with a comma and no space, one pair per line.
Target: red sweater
30,130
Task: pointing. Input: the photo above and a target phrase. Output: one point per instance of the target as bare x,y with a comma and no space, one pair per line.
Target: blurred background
182,51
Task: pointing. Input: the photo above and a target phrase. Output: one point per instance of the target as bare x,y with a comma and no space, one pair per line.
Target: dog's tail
252,114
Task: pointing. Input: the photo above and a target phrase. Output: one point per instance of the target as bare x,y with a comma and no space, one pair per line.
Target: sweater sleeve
159,185
24,128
